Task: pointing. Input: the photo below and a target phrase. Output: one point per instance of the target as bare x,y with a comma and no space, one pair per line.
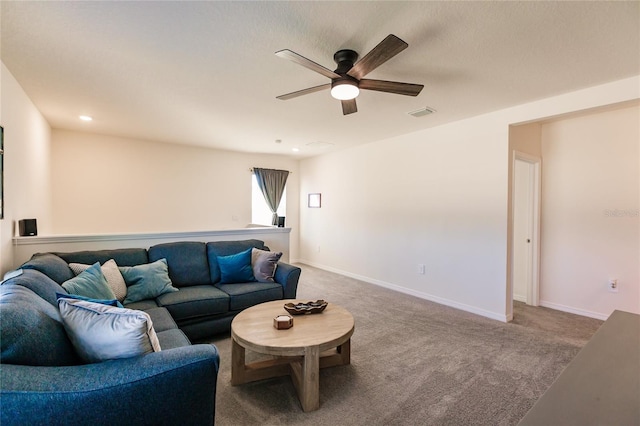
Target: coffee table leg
345,352
305,375
310,387
237,363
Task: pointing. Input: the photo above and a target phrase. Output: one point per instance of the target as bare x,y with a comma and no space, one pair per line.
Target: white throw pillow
100,333
111,273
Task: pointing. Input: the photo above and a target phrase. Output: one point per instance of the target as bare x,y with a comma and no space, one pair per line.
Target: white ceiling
205,73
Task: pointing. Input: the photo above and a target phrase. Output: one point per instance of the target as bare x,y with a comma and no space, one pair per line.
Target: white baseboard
421,295
519,298
571,310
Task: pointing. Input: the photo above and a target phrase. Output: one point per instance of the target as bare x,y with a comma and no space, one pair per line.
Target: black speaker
280,221
27,228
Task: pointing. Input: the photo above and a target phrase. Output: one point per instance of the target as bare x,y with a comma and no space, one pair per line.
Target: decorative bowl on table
304,308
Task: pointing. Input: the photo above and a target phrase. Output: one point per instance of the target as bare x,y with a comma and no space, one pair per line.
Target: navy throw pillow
113,302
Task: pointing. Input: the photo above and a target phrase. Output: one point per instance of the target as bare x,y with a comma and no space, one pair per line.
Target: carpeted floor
414,362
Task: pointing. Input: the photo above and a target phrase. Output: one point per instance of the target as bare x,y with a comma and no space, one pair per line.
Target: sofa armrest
288,276
176,386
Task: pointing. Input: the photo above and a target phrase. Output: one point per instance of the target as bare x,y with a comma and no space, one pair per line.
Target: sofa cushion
187,262
39,283
31,330
162,320
142,305
90,283
236,268
51,265
123,257
100,333
225,248
264,264
174,338
111,273
245,295
147,281
195,301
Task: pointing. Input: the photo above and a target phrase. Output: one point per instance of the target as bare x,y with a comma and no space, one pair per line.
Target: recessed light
295,149
85,118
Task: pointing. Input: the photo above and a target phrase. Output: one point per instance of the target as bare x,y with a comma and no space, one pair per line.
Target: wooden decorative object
306,308
283,322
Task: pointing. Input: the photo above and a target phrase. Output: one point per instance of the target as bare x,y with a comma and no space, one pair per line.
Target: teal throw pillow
112,302
236,268
147,281
90,283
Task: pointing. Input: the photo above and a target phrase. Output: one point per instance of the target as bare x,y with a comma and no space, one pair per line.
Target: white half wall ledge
436,299
277,239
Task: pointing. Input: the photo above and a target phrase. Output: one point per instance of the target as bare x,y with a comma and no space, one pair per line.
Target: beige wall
438,197
105,184
590,212
27,191
525,138
435,197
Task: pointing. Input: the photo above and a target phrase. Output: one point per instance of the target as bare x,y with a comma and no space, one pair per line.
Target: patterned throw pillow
111,273
100,332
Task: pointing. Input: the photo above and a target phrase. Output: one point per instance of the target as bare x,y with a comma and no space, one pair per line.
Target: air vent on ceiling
320,144
422,112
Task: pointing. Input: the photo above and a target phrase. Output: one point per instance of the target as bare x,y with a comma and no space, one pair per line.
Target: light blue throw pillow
147,281
236,268
90,283
101,333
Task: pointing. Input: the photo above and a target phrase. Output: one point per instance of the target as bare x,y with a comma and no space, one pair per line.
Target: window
260,212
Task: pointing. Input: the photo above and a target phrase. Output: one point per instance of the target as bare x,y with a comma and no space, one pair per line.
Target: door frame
533,289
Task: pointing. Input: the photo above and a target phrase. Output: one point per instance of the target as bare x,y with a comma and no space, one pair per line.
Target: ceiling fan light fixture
344,89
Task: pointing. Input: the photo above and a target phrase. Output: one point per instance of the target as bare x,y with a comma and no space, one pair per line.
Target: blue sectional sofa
43,379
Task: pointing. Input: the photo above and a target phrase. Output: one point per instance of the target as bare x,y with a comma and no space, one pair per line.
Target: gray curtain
271,183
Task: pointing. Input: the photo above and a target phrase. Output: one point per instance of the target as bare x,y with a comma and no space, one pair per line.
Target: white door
525,231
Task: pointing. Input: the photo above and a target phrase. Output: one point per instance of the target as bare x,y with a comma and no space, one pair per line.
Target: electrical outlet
612,285
421,268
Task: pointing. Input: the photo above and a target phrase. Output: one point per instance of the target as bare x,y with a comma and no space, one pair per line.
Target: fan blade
387,49
408,89
304,92
307,63
349,107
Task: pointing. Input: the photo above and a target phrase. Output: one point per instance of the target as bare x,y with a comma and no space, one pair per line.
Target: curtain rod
251,170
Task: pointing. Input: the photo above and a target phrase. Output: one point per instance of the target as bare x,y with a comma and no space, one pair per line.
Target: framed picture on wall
315,200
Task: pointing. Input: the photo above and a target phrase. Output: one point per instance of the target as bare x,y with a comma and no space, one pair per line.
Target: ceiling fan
347,79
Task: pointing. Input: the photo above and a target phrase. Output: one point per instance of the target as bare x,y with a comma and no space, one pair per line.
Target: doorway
525,268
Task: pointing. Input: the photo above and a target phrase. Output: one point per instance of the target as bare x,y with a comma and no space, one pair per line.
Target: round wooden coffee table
315,341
